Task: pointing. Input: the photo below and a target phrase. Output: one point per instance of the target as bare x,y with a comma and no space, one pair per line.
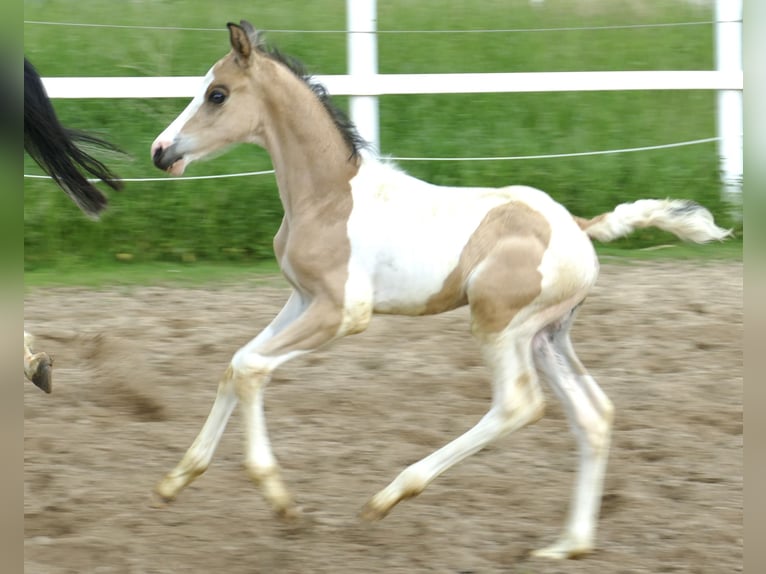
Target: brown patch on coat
269,102
314,160
511,241
509,282
314,169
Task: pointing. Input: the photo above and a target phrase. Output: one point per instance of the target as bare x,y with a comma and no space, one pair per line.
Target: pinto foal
361,237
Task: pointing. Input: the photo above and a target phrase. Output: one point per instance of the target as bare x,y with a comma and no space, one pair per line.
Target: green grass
232,221
153,273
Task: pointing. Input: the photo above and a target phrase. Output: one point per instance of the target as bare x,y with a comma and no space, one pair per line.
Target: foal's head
232,106
223,112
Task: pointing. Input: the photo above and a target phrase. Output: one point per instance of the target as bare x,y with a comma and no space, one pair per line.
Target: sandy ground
136,372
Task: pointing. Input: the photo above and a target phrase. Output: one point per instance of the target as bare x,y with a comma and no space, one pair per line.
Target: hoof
158,501
43,375
372,513
162,495
562,551
289,514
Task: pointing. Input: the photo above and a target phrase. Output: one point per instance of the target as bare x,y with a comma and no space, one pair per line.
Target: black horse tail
55,148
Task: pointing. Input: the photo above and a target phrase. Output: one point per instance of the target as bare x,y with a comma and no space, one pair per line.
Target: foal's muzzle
167,158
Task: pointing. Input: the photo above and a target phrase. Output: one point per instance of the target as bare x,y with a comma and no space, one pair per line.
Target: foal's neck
312,161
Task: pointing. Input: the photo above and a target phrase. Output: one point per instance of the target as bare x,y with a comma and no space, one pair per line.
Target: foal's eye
216,97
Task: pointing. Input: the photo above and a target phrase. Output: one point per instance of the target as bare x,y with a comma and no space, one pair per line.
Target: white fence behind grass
364,84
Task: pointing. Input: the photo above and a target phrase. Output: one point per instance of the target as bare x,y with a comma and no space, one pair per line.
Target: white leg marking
590,416
28,354
302,328
200,453
517,401
260,462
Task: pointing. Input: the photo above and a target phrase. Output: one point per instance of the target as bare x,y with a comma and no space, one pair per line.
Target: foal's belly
408,268
407,283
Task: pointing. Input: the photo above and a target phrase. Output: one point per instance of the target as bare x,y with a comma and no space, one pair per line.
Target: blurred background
233,220
136,367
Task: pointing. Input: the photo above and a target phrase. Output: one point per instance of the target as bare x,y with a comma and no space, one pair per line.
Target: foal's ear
241,41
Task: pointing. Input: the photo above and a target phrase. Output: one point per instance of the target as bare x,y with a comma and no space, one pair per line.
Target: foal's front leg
253,364
197,458
301,327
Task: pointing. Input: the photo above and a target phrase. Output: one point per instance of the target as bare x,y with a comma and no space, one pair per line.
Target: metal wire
501,158
475,31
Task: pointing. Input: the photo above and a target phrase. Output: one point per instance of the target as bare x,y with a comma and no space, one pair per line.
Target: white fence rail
390,84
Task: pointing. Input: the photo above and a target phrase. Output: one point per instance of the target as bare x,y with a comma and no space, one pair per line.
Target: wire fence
450,31
393,158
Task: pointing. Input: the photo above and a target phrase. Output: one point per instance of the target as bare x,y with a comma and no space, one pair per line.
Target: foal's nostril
165,156
157,153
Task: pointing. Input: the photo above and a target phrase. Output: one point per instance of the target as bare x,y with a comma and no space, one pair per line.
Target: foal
360,237
57,150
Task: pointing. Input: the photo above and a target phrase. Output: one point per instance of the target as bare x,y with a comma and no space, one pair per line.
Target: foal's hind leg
517,401
590,415
500,296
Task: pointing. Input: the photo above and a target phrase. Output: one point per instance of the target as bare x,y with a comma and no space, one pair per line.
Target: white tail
686,219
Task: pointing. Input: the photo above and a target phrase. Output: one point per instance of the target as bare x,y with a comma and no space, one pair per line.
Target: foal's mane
345,126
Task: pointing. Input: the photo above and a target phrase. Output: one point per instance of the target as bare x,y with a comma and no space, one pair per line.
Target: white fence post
728,35
362,46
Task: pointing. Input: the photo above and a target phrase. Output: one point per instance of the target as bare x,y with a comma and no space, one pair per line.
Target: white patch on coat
407,235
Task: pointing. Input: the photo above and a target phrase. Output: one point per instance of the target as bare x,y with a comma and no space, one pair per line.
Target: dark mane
345,126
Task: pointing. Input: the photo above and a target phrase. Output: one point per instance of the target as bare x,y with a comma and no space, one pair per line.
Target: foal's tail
55,148
686,219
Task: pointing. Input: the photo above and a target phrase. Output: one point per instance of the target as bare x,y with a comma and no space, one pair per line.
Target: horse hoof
563,550
289,514
43,375
157,502
371,513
